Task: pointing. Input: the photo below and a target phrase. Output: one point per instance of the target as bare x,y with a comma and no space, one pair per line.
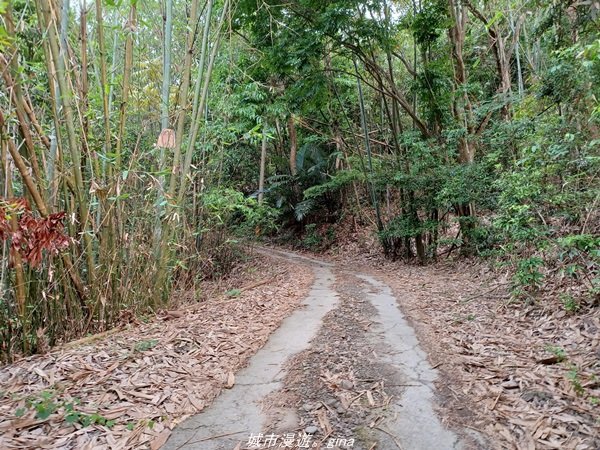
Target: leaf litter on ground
129,388
530,371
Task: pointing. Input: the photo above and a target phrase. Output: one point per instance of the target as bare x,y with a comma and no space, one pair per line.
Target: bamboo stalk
166,82
62,76
164,122
130,29
13,82
20,293
197,117
363,121
263,159
41,206
15,256
56,140
104,87
183,107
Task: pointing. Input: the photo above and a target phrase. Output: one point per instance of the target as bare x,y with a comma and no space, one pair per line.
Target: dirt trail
362,387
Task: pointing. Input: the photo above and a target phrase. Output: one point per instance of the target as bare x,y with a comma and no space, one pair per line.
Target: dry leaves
129,389
532,372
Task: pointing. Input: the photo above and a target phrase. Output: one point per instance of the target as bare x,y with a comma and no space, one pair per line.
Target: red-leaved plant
32,235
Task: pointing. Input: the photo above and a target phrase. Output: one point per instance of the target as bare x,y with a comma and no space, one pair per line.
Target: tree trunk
293,145
104,87
502,60
166,81
463,110
363,121
263,160
164,123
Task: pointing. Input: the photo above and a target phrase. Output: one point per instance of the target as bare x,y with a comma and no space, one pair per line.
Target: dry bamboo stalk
183,107
62,77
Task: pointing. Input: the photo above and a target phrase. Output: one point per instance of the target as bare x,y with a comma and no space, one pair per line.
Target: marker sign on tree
166,139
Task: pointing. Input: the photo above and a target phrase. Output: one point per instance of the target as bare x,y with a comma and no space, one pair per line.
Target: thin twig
210,438
394,438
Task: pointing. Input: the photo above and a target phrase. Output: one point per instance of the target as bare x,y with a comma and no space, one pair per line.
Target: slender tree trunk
105,217
201,63
164,122
104,86
13,82
463,108
166,82
113,72
56,137
83,100
183,107
20,294
17,261
263,160
363,120
199,102
293,145
497,43
516,35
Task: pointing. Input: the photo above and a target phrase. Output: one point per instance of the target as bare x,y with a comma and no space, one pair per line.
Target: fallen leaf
230,380
160,440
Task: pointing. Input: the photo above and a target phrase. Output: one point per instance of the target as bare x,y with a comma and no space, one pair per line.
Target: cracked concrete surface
413,421
237,413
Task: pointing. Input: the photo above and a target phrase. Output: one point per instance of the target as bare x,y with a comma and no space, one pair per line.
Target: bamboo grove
80,118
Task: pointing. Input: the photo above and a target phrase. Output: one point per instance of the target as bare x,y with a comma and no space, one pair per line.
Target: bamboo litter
531,373
134,386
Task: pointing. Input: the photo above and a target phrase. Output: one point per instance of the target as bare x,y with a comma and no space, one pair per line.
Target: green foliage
304,208
311,240
227,207
406,226
573,246
569,303
559,352
573,376
233,293
466,183
313,177
433,86
528,274
143,346
335,183
44,406
4,38
430,22
72,416
317,238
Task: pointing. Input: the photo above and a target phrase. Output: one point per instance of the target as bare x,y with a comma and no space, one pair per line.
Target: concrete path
414,421
236,414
